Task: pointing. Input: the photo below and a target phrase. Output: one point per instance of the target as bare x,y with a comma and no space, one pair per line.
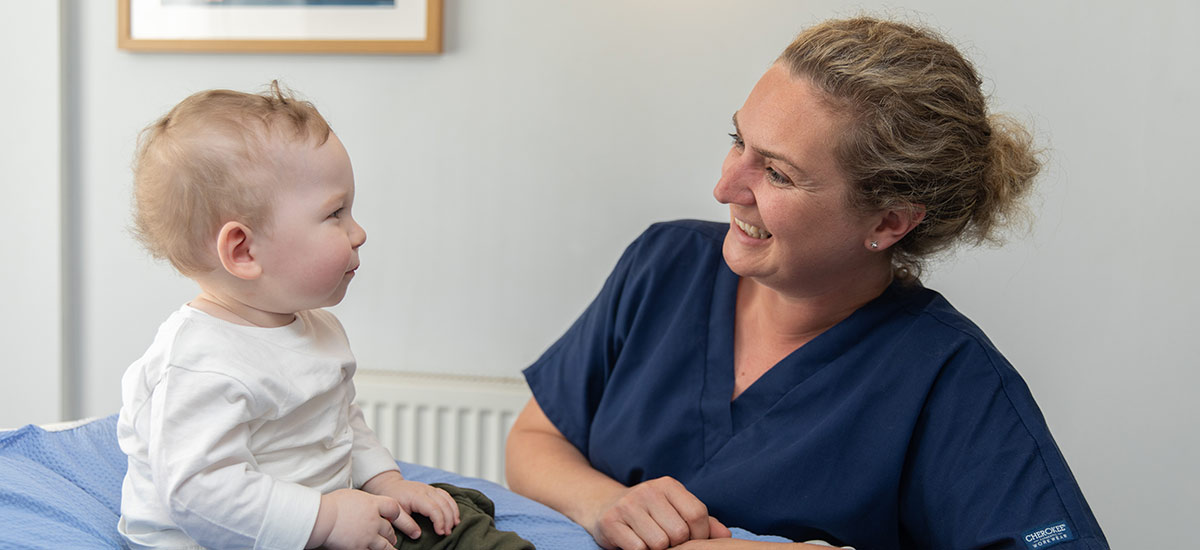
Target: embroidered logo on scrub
1048,536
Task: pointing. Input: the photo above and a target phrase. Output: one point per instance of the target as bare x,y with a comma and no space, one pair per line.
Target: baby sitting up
239,421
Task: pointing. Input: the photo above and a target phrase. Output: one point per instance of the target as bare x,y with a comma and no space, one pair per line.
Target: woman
786,372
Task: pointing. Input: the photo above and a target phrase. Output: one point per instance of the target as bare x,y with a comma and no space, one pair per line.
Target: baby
239,421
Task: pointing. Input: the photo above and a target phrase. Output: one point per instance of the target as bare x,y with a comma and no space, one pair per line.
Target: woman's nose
733,187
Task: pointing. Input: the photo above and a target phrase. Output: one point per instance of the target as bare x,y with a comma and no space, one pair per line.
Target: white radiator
456,423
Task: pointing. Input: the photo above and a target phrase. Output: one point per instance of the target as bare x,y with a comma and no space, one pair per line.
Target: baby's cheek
336,266
328,275
318,274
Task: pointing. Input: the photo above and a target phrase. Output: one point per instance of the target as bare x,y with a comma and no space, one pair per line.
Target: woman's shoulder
931,307
673,248
701,231
963,350
927,321
679,239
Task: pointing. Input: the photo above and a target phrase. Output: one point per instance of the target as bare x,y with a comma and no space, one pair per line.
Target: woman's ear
233,248
894,225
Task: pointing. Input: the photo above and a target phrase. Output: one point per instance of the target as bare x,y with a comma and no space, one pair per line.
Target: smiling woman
787,372
781,179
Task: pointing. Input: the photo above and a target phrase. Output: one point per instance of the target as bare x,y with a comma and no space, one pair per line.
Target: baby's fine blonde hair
209,161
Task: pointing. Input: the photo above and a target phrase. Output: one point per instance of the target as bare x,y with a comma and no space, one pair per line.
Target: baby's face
310,252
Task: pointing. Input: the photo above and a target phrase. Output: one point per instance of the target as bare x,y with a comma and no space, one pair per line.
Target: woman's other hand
655,514
739,544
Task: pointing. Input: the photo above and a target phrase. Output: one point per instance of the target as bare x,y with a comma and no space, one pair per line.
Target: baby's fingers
388,533
405,524
439,507
381,544
449,508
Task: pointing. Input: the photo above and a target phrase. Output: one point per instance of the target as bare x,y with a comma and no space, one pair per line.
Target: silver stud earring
874,244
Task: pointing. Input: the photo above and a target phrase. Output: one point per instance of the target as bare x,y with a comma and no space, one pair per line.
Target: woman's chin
742,260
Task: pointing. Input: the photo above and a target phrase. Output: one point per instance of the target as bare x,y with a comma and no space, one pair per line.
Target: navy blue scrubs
900,427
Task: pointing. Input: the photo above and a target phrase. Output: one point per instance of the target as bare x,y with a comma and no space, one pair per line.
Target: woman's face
791,227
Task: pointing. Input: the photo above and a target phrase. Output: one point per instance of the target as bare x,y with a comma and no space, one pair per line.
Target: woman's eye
776,177
737,140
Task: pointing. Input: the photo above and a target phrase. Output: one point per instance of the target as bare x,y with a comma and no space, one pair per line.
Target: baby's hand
353,519
414,496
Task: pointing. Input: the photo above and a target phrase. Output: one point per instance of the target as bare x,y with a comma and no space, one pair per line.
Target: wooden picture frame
288,26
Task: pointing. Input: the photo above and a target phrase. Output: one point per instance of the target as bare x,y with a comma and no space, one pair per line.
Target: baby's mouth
756,232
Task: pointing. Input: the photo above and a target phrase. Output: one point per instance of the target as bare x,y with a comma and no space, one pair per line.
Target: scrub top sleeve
568,380
983,470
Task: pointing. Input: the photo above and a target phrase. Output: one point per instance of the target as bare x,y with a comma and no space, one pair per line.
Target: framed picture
282,26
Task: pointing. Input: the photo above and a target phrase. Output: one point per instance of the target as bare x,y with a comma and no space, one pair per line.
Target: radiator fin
456,423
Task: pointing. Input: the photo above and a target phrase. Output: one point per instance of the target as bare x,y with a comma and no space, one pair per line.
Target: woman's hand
655,514
739,544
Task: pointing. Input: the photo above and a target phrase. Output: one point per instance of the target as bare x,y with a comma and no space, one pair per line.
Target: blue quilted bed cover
63,490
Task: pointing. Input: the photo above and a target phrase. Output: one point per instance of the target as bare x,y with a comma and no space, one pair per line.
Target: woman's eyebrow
767,153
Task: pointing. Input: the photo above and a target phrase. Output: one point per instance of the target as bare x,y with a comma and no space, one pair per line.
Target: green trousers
476,529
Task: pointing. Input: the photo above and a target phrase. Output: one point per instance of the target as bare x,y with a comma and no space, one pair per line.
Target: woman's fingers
672,522
691,511
718,530
649,529
624,524
621,536
655,514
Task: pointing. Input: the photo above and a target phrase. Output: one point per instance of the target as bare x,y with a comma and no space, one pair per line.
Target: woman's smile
751,230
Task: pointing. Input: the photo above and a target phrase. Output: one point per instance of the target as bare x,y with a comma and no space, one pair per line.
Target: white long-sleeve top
233,433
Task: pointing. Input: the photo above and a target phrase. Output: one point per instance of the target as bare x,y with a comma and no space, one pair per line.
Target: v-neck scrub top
901,427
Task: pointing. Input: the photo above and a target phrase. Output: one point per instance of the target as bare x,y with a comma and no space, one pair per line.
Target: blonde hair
917,133
207,162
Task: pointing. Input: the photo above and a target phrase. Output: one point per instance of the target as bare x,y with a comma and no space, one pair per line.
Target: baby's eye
337,213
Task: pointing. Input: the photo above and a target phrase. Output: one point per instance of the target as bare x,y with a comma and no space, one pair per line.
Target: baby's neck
239,314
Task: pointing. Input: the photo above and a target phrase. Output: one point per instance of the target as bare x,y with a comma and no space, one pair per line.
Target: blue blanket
63,490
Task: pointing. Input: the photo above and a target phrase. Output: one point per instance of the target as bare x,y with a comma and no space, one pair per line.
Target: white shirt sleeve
206,475
369,457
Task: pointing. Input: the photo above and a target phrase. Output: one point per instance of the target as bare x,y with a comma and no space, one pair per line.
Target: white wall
30,279
499,181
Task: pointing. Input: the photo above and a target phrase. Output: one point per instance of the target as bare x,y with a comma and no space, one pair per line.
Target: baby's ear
233,248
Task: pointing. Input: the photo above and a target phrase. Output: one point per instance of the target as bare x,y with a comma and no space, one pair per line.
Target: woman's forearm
653,514
541,464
